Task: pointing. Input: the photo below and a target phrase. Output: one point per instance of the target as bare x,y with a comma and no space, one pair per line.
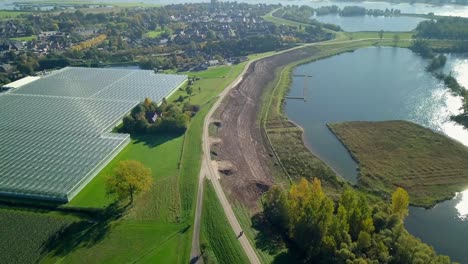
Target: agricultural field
217,236
10,14
430,166
25,234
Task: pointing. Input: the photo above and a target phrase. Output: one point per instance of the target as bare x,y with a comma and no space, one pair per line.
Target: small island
429,165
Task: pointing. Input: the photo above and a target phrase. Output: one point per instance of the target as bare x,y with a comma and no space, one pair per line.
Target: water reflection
462,205
457,64
371,23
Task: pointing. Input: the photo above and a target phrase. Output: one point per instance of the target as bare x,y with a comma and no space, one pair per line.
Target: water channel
375,84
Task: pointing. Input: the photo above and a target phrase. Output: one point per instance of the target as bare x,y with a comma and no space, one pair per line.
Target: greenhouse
56,129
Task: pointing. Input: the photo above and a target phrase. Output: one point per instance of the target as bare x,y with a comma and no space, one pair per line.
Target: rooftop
21,82
55,130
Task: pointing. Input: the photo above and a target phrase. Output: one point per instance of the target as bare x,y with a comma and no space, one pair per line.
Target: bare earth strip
242,144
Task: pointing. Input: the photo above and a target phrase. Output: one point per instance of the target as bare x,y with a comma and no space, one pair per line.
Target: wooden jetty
304,90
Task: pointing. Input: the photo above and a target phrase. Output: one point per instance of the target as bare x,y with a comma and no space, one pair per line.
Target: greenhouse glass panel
55,130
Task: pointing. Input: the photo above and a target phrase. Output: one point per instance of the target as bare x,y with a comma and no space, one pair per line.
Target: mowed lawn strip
429,165
221,242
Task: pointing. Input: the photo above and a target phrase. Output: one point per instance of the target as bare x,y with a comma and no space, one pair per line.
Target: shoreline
282,93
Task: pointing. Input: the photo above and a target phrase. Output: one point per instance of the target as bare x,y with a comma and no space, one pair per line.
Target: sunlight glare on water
462,205
436,111
460,71
441,117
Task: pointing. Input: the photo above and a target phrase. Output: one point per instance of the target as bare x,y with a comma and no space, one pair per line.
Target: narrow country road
211,173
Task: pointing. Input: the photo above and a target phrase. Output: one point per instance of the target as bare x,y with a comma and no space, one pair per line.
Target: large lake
375,84
372,23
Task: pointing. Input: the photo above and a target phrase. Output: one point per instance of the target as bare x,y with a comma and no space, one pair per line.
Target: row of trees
150,118
305,11
89,43
437,62
455,28
303,14
349,231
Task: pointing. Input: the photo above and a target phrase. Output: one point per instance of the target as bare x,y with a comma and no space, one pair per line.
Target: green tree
147,102
55,27
276,208
358,213
129,178
311,214
189,91
211,35
381,32
400,203
396,39
364,241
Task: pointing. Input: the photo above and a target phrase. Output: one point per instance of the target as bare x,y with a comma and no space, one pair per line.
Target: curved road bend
207,169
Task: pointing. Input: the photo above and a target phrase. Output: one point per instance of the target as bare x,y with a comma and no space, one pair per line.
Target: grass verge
217,236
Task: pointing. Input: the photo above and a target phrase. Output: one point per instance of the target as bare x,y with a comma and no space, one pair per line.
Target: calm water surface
375,84
371,23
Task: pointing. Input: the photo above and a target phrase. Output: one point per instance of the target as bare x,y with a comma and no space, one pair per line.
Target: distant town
188,37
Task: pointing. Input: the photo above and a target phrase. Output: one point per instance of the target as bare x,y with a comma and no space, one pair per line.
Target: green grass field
430,166
371,34
10,14
153,228
281,21
159,153
153,34
221,243
28,38
24,234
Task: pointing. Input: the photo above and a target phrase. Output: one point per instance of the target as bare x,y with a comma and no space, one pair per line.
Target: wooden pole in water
304,92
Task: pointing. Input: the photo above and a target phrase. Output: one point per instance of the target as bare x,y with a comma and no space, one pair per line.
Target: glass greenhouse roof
54,130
